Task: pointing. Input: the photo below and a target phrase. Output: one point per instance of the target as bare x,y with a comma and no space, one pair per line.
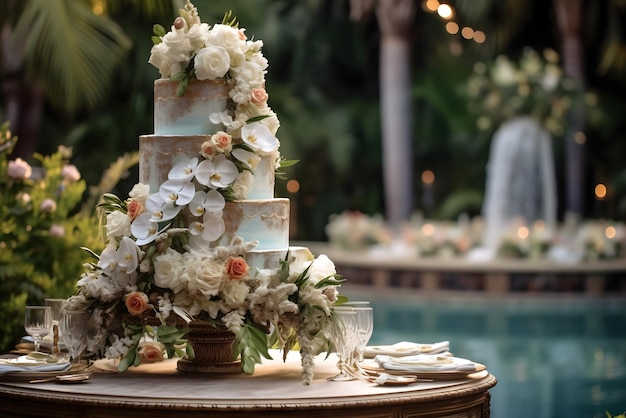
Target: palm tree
395,20
63,52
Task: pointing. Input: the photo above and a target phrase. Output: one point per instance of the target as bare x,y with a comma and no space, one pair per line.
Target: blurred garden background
74,74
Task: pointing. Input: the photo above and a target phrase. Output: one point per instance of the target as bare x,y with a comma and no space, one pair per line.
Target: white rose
250,73
140,193
117,225
179,48
301,260
235,292
160,59
167,271
321,268
198,35
227,37
242,185
211,63
205,276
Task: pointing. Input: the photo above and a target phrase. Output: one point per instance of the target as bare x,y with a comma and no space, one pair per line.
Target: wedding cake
202,237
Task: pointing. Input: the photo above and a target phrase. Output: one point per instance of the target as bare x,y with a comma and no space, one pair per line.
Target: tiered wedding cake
201,236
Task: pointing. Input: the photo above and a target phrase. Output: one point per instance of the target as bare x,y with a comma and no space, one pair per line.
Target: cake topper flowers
162,260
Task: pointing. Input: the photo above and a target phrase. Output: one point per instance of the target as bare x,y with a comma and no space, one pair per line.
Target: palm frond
71,51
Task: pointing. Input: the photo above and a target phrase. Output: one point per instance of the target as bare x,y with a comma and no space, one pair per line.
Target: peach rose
237,268
258,96
151,351
135,209
222,141
137,303
208,150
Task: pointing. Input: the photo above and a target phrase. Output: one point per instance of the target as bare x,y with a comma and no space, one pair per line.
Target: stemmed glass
365,326
55,309
74,333
37,323
344,338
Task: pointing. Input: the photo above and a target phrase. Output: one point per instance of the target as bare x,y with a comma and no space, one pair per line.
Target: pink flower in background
19,169
57,231
48,205
70,173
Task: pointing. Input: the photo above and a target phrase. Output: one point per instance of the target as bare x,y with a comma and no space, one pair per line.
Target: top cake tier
189,113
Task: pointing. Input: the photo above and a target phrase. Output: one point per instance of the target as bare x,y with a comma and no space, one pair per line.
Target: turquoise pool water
556,357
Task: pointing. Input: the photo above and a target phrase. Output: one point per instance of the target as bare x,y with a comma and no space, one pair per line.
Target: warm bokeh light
428,177
431,5
293,186
600,191
523,232
580,138
428,229
445,11
480,37
467,32
97,7
610,232
452,28
539,225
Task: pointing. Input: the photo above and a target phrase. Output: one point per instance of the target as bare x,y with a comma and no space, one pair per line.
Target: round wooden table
275,390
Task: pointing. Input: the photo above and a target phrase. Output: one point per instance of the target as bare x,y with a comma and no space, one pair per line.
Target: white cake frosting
182,125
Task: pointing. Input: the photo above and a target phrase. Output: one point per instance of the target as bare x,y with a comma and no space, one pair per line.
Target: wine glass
344,338
55,310
74,332
37,323
365,326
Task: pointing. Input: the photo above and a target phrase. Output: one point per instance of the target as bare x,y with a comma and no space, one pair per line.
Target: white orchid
219,173
259,138
184,170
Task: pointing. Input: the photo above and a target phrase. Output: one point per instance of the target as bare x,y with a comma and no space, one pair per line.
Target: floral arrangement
533,86
43,224
161,261
354,230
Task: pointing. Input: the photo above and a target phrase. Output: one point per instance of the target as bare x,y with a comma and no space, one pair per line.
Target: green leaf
158,30
334,280
257,118
288,163
156,40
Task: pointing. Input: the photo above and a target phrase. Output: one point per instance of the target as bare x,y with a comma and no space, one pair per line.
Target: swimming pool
552,357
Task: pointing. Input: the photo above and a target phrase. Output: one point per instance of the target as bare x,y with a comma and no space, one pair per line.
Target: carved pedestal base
213,348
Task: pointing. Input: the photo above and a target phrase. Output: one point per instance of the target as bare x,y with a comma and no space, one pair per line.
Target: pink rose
19,169
237,268
57,231
151,352
137,303
258,96
70,173
135,209
208,150
222,141
48,205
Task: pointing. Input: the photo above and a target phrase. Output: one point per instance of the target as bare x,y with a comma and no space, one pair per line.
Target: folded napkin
27,364
425,363
405,348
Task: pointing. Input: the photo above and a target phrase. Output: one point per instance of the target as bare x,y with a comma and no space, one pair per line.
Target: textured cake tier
188,114
159,153
265,220
270,259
